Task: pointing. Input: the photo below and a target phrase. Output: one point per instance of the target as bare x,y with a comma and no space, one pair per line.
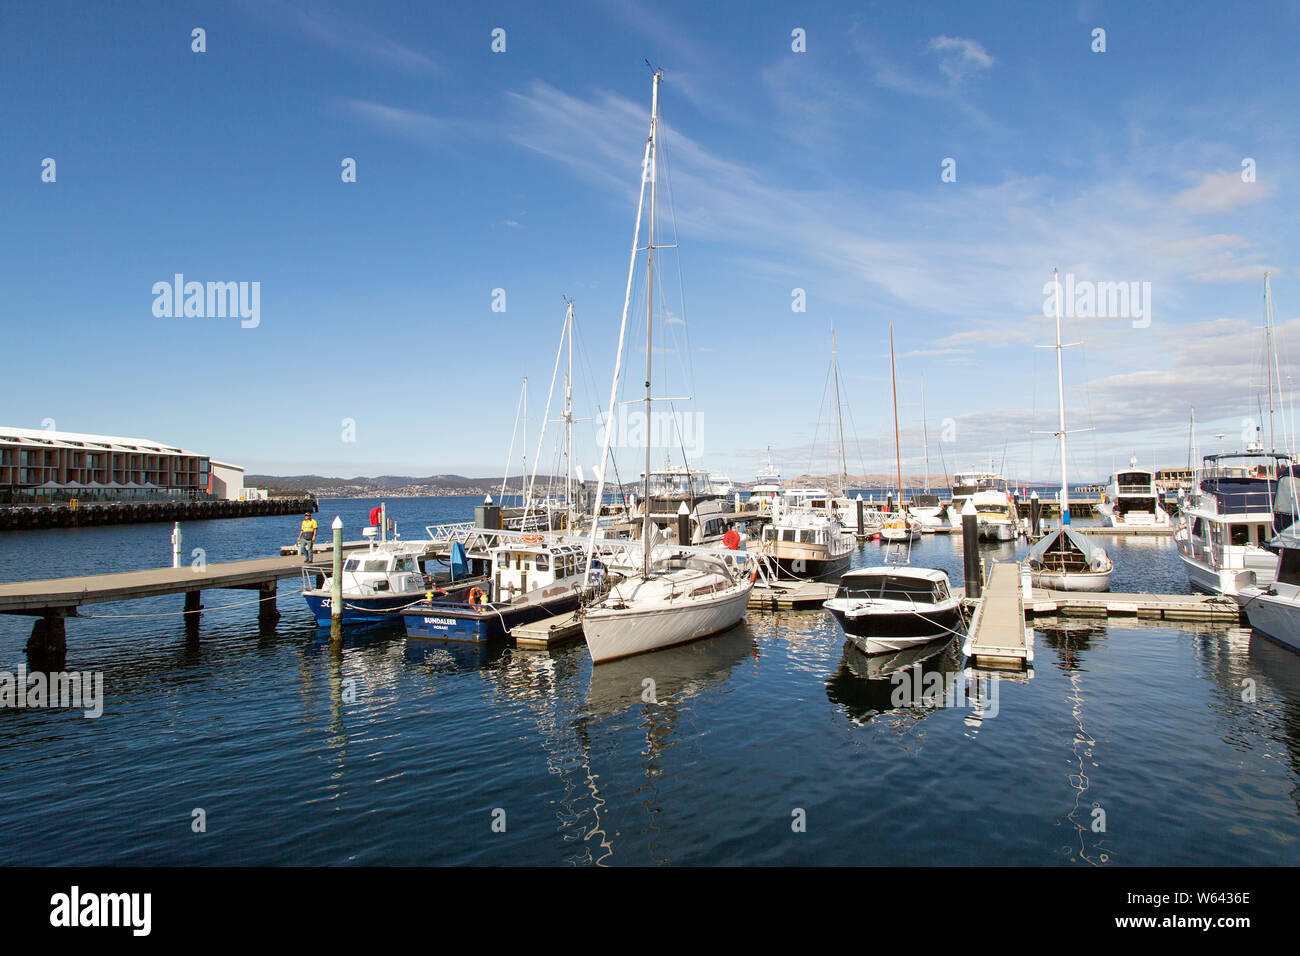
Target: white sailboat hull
1072,580
614,632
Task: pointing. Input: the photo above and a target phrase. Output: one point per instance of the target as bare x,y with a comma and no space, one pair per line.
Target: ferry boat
1223,531
1133,500
377,585
888,608
806,538
1274,610
531,580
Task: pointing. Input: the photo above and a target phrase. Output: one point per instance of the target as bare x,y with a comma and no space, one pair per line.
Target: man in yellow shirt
307,536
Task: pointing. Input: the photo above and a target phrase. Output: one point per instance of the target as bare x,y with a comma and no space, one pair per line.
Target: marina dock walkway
997,632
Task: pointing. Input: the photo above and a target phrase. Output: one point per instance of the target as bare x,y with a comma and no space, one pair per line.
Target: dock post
862,525
192,609
1035,515
970,549
683,524
267,612
336,583
48,642
176,545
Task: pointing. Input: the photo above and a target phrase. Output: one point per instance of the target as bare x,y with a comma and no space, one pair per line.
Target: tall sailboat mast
1060,397
1268,360
925,436
568,424
893,384
839,417
647,524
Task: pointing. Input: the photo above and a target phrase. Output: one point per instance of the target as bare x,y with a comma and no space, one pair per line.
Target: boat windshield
893,588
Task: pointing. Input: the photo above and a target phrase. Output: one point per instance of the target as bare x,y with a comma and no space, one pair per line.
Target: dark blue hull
492,622
370,610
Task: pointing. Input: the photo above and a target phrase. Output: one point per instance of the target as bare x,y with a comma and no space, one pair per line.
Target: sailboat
666,595
926,508
1065,560
898,527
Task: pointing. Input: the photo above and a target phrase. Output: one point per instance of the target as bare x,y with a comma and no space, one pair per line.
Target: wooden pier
549,632
791,595
54,600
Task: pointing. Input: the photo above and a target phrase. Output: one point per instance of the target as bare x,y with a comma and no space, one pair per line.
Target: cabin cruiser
376,584
888,608
1223,531
531,578
1065,560
996,515
1274,609
966,484
807,540
1133,500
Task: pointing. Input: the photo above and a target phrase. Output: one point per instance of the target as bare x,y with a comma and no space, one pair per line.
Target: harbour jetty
75,514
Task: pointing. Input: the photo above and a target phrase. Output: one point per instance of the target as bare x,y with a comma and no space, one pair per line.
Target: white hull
612,633
888,533
1229,581
927,518
1276,616
887,644
997,531
1072,580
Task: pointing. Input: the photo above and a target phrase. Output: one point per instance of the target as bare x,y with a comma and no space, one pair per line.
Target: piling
1036,515
970,549
683,524
862,525
176,545
336,585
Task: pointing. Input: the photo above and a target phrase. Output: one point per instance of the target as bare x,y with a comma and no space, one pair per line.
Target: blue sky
816,170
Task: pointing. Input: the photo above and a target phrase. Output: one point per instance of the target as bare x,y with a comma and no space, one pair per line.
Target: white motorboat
1133,501
1274,609
807,540
1223,532
899,528
966,484
886,609
926,510
666,596
996,516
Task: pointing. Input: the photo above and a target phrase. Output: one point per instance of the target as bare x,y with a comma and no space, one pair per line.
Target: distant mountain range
434,486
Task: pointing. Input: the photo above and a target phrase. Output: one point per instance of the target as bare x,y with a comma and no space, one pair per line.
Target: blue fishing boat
531,579
377,585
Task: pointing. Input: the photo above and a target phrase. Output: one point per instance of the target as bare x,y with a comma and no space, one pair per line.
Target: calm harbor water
406,752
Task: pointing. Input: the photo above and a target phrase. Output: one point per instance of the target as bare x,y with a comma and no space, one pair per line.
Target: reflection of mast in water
1082,744
539,681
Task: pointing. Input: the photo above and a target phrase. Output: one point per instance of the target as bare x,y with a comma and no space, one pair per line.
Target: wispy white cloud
1221,192
323,24
960,57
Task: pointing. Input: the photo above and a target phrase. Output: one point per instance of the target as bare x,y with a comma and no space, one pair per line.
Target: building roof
46,438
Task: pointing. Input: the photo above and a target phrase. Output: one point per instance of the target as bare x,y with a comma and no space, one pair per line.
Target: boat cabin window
376,564
543,562
1198,527
1288,566
404,564
787,534
351,564
1240,534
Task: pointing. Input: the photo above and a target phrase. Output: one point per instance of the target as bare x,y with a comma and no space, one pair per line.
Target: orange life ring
475,596
533,538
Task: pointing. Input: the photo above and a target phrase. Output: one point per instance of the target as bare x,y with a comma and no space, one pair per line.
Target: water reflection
864,685
665,680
